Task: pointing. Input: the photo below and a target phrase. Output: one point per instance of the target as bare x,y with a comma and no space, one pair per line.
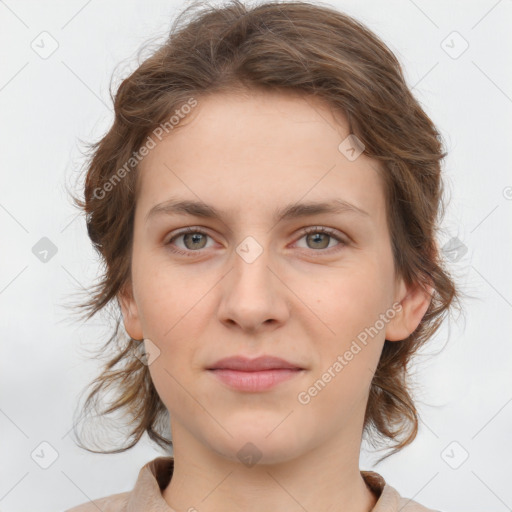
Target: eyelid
334,233
189,229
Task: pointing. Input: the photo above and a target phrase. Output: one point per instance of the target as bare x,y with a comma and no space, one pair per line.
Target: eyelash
305,232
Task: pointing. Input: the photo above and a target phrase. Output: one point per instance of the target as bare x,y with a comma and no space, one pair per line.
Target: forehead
258,149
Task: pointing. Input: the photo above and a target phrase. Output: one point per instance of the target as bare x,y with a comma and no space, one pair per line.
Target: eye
320,238
193,239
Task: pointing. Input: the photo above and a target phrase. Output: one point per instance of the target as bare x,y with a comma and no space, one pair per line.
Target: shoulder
388,498
408,505
112,503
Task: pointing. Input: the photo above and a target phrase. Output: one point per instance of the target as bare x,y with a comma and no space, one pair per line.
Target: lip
245,364
254,375
255,381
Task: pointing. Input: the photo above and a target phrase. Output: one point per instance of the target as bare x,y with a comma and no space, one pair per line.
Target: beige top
154,476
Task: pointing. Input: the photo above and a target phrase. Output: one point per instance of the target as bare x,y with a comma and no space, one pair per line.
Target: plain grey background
57,60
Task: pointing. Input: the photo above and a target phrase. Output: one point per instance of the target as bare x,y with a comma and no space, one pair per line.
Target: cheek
349,352
354,300
173,316
172,372
339,385
169,298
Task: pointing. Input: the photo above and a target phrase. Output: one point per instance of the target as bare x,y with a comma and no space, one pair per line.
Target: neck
326,478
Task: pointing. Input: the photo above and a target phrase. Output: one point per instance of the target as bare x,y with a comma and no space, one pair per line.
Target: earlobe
130,312
414,302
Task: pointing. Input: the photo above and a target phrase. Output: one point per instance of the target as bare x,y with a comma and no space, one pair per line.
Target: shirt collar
155,476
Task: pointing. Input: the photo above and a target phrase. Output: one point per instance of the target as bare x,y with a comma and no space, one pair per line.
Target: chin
262,443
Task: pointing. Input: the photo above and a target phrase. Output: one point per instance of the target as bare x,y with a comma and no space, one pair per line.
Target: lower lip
255,381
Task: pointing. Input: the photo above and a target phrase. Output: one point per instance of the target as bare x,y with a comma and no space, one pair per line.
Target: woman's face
251,283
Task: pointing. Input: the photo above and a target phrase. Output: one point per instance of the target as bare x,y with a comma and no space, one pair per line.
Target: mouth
240,363
255,381
254,375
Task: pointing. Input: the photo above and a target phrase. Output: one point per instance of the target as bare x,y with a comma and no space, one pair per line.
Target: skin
305,298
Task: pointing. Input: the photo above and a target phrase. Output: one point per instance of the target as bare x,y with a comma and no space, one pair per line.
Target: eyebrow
288,212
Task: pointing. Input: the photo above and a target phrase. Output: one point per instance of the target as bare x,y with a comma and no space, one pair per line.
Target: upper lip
253,365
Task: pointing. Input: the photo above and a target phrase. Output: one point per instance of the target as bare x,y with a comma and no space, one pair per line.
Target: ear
414,301
130,312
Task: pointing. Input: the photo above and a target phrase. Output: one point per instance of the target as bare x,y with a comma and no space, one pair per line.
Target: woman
266,204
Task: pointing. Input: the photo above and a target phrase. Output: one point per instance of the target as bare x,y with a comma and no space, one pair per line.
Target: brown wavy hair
296,47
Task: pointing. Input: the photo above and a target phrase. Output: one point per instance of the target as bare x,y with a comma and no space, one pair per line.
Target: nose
253,294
